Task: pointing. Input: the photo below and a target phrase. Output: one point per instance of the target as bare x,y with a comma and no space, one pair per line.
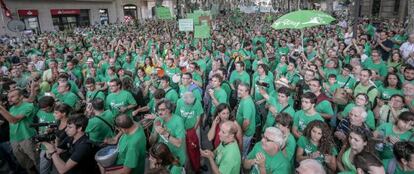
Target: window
130,10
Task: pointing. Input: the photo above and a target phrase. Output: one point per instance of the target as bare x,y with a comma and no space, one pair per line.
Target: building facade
57,15
385,8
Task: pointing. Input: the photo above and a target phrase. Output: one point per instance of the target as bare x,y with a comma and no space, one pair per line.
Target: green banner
198,13
190,15
202,31
163,13
196,16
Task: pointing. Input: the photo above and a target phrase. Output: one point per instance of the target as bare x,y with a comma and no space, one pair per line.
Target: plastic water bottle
381,136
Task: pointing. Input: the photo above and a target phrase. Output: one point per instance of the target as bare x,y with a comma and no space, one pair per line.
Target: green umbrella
302,19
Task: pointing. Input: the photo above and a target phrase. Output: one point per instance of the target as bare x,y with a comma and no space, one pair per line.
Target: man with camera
79,147
19,117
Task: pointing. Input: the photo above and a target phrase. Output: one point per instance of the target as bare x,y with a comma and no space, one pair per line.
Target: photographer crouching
79,147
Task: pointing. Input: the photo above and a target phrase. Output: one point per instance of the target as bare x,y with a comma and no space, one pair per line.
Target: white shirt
406,49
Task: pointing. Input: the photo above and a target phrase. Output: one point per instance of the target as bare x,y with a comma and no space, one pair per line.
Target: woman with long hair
141,77
148,66
395,61
317,143
359,140
61,114
392,84
222,115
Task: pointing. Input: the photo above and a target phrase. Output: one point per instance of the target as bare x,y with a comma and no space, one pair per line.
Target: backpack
193,87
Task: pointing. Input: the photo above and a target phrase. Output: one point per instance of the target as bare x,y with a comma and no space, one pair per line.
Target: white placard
185,24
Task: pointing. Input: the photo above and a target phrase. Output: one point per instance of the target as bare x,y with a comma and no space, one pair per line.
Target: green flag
163,13
202,31
196,16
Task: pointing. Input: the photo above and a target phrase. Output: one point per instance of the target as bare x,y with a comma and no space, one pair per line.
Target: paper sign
185,24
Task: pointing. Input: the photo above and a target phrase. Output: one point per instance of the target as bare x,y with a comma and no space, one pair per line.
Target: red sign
27,12
64,11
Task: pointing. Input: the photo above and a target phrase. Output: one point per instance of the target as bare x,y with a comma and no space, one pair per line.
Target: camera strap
349,78
112,128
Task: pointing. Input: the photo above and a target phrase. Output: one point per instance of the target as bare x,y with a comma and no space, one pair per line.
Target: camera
47,137
296,54
262,84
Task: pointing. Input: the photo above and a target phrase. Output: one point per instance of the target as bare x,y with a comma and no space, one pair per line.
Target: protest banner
185,24
202,31
163,13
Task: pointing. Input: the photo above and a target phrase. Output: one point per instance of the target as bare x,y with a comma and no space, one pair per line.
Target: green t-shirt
308,148
271,119
247,111
301,119
197,77
189,113
292,77
386,93
68,98
91,95
277,163
138,81
73,87
228,158
44,117
387,130
171,71
171,95
21,130
372,94
175,126
98,130
221,97
115,101
129,66
202,64
226,87
244,77
282,51
290,148
324,107
381,67
132,151
329,71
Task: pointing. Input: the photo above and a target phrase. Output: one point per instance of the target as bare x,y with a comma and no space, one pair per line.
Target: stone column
402,10
410,27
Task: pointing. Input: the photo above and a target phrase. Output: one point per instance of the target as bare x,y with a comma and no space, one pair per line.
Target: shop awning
29,12
64,11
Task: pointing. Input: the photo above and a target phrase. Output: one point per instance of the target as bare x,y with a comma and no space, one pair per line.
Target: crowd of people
268,101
